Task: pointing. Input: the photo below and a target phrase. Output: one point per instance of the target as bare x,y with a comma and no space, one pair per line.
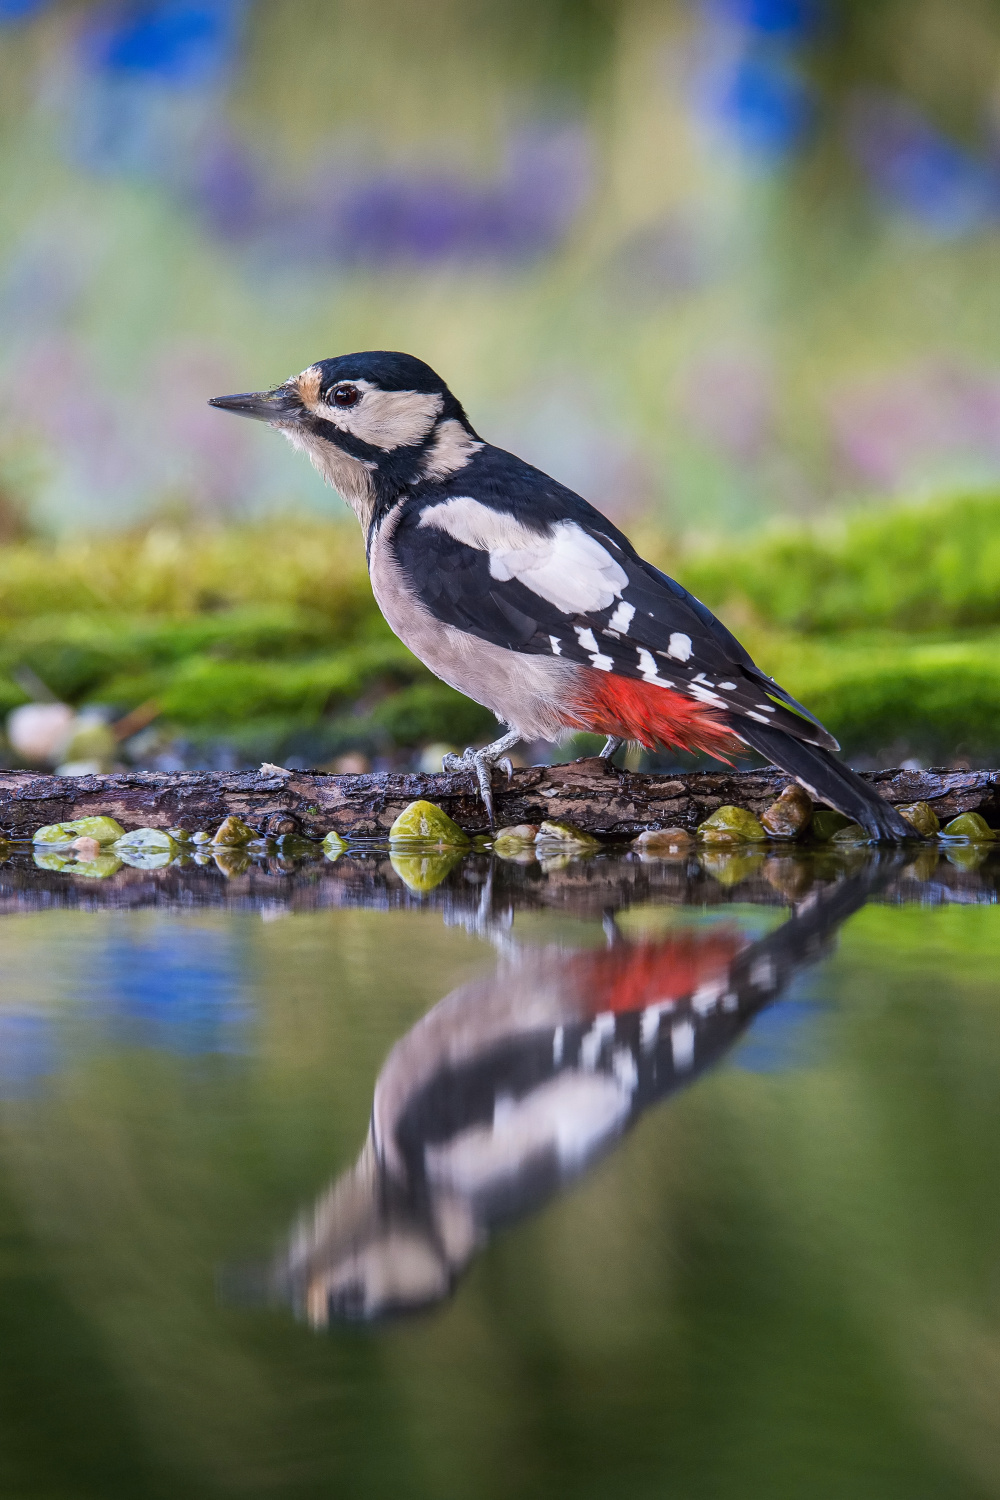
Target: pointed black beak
265,406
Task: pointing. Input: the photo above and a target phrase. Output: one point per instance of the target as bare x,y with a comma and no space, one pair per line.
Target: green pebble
145,838
201,837
334,846
851,833
825,823
423,821
232,833
561,831
731,825
104,830
971,826
923,818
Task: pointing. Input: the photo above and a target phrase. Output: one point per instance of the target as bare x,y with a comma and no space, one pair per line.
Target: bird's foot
612,744
482,763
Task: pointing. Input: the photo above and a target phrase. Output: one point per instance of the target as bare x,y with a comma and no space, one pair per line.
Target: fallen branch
590,793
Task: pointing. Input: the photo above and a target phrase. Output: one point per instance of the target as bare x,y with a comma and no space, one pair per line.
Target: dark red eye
344,395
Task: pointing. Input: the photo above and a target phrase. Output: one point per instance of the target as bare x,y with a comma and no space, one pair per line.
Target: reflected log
596,796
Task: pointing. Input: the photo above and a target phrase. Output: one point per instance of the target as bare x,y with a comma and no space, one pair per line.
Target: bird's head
372,423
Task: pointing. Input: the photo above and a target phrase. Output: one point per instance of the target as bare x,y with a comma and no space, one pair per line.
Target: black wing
652,629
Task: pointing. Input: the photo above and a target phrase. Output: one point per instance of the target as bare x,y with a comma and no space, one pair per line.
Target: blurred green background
727,267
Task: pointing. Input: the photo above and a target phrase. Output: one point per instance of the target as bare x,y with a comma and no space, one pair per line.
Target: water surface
603,1178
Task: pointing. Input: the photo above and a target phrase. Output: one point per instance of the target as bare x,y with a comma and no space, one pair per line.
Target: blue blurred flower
918,171
178,42
20,10
790,20
759,100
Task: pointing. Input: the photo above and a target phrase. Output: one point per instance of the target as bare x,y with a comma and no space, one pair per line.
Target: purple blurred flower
427,216
932,418
917,170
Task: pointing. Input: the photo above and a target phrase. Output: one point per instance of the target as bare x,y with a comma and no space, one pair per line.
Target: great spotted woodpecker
521,595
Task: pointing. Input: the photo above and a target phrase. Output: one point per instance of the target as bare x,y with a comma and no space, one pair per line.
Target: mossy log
590,793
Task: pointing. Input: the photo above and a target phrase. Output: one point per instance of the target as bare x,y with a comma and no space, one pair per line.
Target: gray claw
507,765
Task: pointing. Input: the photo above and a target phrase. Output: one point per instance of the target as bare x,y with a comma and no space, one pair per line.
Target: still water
596,1179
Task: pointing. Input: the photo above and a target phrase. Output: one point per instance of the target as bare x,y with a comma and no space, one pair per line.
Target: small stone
970,826
46,858
201,837
923,817
145,839
515,839
851,833
731,825
104,830
86,848
561,831
663,841
923,867
423,821
233,833
333,846
421,873
179,835
825,823
790,815
966,856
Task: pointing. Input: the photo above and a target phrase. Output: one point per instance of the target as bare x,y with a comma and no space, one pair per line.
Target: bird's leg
482,762
612,745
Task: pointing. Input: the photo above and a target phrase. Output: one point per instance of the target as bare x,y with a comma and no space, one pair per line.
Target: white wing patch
622,618
566,566
586,638
680,647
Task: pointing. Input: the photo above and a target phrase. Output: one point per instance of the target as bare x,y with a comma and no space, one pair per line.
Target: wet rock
179,835
790,815
146,838
825,823
851,833
423,872
970,826
560,832
294,846
201,837
423,821
663,842
104,830
923,867
233,833
793,877
966,856
334,846
923,817
731,825
52,861
515,839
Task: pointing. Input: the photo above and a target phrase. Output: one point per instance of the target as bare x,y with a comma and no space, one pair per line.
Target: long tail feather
828,780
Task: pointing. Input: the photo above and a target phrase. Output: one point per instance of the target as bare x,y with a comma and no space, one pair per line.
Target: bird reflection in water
513,1086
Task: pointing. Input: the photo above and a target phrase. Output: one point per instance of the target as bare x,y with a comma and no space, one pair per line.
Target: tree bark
605,801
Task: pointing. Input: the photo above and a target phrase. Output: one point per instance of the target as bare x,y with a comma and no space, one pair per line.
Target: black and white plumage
521,595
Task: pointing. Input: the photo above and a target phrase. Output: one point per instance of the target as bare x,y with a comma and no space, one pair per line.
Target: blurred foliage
266,637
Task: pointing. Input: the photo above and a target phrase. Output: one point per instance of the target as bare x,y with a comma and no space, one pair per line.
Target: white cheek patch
679,646
565,566
383,419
